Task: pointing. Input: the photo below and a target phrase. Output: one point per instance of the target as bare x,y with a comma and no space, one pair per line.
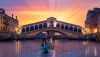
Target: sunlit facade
8,25
91,22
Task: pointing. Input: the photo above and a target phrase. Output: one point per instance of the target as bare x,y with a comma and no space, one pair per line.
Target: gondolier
44,37
48,47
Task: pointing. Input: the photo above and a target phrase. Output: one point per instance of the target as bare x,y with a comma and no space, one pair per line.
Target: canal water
31,48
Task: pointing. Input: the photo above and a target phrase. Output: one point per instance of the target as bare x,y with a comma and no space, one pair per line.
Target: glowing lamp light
95,30
16,29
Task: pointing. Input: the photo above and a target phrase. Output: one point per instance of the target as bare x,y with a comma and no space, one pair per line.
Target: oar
61,48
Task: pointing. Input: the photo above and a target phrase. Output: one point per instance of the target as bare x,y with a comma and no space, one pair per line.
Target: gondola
47,50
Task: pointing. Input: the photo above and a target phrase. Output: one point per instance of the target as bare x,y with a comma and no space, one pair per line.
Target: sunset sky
30,11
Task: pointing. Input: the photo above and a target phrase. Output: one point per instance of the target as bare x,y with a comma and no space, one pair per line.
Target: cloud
72,11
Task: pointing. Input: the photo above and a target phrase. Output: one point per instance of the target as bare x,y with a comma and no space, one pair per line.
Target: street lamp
95,30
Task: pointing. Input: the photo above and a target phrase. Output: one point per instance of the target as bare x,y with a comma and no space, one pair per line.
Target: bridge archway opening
48,31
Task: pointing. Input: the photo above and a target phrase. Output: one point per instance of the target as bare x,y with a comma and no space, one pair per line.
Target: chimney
12,15
16,17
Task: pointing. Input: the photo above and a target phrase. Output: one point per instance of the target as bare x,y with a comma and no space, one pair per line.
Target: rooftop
46,20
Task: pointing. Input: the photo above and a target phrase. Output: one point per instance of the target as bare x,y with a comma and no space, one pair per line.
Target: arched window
71,28
45,25
58,25
62,26
36,27
27,29
40,26
79,30
75,29
66,27
23,29
32,28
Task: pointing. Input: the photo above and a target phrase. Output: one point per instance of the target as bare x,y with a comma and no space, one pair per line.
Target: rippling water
30,48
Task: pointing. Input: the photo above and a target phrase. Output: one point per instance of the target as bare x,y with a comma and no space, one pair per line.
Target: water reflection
30,48
95,52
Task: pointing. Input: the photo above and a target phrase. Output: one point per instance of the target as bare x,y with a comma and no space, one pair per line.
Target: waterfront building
8,25
91,22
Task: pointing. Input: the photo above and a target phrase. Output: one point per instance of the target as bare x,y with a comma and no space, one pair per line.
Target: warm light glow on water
31,48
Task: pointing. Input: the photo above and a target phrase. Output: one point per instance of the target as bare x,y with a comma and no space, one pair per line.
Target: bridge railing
52,29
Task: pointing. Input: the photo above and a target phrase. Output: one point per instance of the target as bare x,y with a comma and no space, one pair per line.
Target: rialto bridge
51,24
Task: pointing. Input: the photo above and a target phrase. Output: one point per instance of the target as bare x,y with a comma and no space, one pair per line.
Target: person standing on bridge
43,37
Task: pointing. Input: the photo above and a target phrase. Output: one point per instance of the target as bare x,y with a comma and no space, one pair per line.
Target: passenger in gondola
52,46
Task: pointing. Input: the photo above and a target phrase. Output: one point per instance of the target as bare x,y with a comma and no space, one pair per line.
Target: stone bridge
68,34
51,24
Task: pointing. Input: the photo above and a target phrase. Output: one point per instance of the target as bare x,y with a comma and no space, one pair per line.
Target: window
4,17
40,26
45,25
75,29
27,29
79,30
1,28
36,27
58,25
0,12
1,22
66,27
23,29
4,29
71,28
3,12
62,26
32,28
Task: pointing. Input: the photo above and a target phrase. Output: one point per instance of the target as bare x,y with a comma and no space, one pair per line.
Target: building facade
91,22
8,24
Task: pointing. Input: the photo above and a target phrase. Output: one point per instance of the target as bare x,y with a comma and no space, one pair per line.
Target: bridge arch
36,27
71,28
66,27
23,29
27,29
58,25
79,30
62,26
51,30
75,29
31,28
45,25
40,26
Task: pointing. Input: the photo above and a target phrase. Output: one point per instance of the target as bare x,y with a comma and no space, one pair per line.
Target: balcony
6,23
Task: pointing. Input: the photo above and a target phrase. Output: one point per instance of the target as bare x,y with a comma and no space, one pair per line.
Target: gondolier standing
44,37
